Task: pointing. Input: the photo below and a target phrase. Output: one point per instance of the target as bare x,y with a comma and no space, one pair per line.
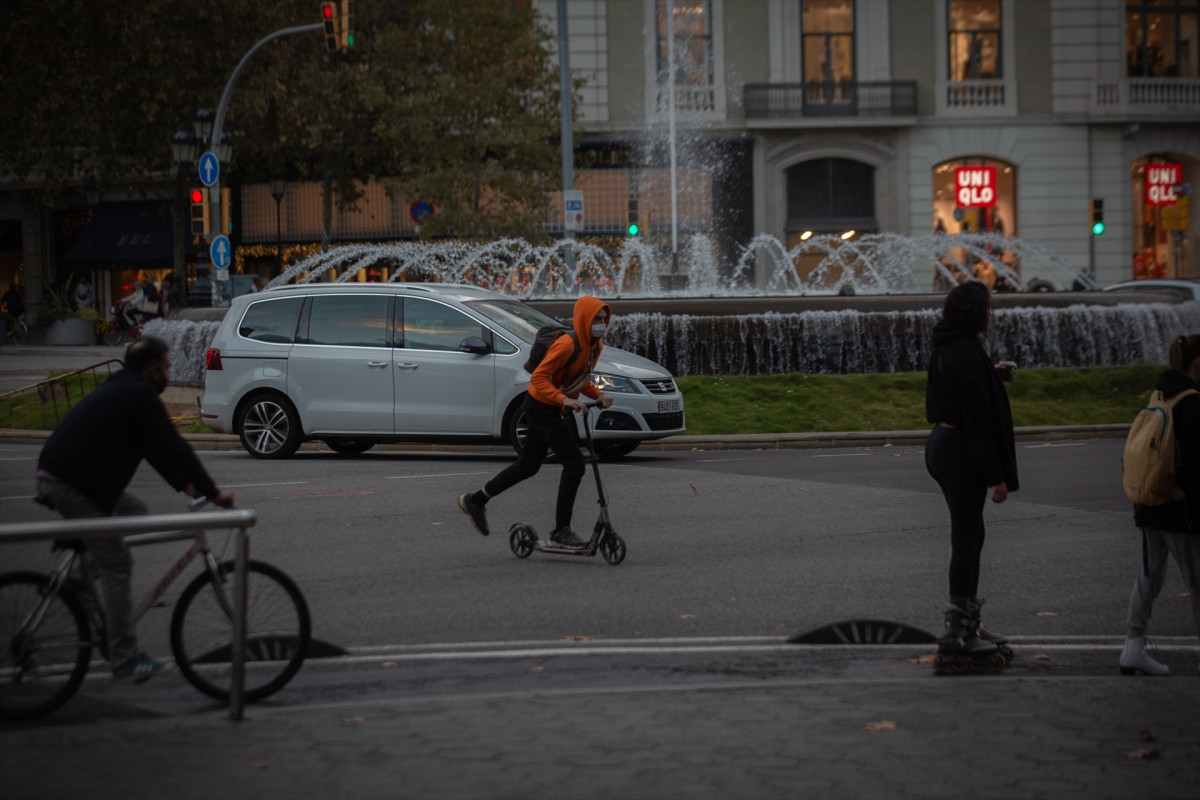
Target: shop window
827,42
975,195
693,61
1161,39
974,45
1161,216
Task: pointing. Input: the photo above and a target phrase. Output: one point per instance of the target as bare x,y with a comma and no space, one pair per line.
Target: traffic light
635,226
1097,216
201,216
347,23
644,223
332,19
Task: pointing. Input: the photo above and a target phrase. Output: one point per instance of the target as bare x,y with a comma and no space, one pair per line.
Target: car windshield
513,315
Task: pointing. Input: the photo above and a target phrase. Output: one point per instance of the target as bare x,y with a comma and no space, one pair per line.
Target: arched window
831,195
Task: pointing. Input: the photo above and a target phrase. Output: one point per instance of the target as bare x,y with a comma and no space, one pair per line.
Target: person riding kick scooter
554,389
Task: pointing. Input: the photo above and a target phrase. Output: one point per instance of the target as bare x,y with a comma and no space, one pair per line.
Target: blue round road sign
420,211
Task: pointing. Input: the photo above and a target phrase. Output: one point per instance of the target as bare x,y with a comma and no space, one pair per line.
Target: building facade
829,116
790,118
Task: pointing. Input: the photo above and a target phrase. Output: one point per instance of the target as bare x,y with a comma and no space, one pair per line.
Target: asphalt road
721,544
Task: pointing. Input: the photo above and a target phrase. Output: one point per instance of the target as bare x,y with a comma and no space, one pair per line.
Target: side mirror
475,345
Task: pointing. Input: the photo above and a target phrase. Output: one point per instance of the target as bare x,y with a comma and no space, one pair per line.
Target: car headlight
613,384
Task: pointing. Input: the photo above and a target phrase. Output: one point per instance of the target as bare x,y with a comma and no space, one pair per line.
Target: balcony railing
830,99
1147,96
975,94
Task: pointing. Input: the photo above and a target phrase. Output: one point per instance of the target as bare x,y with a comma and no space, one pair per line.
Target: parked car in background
1187,288
353,365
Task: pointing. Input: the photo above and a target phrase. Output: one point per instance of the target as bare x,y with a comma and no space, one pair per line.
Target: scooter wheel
612,547
521,539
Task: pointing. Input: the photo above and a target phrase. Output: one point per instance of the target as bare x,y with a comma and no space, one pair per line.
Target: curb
747,441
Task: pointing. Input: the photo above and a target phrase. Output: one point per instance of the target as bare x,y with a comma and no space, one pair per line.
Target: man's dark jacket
1179,516
99,444
965,391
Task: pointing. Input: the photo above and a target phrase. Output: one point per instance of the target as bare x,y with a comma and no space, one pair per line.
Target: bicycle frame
61,574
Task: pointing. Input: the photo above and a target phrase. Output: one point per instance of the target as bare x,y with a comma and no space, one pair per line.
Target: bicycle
16,329
50,623
119,325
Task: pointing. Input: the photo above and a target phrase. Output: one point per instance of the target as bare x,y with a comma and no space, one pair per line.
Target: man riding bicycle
89,460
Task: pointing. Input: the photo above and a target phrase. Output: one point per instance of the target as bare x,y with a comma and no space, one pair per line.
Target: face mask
598,329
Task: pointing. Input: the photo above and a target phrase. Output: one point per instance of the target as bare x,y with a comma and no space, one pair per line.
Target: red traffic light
327,10
197,195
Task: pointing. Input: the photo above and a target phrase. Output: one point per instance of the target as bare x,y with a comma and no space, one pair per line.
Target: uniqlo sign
975,187
1160,182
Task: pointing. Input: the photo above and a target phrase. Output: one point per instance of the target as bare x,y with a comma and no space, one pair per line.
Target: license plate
669,406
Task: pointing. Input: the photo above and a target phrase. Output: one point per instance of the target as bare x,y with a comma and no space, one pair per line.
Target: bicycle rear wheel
42,662
278,631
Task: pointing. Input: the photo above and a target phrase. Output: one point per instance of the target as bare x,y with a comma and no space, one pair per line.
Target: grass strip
725,404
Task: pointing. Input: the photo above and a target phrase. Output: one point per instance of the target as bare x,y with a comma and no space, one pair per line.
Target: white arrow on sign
209,168
220,251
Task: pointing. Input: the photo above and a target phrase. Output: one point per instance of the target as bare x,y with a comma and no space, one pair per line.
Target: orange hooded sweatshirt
554,374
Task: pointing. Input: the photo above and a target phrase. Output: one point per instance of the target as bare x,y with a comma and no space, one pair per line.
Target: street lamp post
201,290
93,201
278,187
183,147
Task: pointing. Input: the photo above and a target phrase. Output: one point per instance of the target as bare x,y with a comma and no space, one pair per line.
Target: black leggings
549,428
948,459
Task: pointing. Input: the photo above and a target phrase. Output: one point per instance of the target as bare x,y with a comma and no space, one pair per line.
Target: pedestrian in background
971,451
1173,527
85,295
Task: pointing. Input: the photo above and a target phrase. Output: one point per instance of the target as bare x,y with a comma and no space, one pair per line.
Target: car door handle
377,364
407,365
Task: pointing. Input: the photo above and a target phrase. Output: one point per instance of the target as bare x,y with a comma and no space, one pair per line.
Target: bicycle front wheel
278,631
45,645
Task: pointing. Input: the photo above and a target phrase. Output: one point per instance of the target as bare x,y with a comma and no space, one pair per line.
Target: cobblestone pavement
971,736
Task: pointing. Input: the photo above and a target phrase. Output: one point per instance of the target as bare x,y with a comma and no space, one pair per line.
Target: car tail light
212,360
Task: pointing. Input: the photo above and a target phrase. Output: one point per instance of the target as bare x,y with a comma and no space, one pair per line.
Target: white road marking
841,455
435,475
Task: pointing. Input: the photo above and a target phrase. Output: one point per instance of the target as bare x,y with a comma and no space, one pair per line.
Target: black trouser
549,428
948,459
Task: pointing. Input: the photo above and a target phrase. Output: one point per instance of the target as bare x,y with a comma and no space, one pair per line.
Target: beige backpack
1148,466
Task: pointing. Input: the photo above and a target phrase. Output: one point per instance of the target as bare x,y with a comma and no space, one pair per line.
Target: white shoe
1135,659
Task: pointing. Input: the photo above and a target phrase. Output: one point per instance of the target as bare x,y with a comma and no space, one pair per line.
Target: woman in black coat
970,452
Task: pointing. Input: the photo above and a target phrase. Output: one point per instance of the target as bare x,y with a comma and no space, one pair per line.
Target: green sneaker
140,670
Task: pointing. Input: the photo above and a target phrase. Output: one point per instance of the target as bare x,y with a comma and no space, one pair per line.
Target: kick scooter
523,539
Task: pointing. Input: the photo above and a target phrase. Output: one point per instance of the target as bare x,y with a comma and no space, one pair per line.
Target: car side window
349,320
433,326
272,321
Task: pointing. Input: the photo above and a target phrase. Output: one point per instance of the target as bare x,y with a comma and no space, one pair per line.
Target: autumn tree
454,103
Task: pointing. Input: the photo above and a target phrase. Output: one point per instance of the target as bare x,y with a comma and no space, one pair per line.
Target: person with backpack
1170,523
971,450
557,380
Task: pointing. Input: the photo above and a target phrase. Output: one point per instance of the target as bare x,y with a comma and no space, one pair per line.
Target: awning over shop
123,232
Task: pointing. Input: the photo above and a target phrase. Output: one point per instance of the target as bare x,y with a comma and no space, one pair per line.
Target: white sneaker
1135,659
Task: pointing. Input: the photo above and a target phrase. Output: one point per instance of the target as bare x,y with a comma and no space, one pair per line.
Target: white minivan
355,364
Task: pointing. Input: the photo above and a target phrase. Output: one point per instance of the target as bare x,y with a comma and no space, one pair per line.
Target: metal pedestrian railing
40,406
153,528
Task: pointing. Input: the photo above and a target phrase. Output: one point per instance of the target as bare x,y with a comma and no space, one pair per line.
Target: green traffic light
1097,228
633,229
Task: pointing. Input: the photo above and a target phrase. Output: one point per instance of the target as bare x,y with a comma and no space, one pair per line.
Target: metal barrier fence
148,529
40,406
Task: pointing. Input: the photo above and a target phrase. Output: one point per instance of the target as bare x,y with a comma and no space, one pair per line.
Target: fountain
855,311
